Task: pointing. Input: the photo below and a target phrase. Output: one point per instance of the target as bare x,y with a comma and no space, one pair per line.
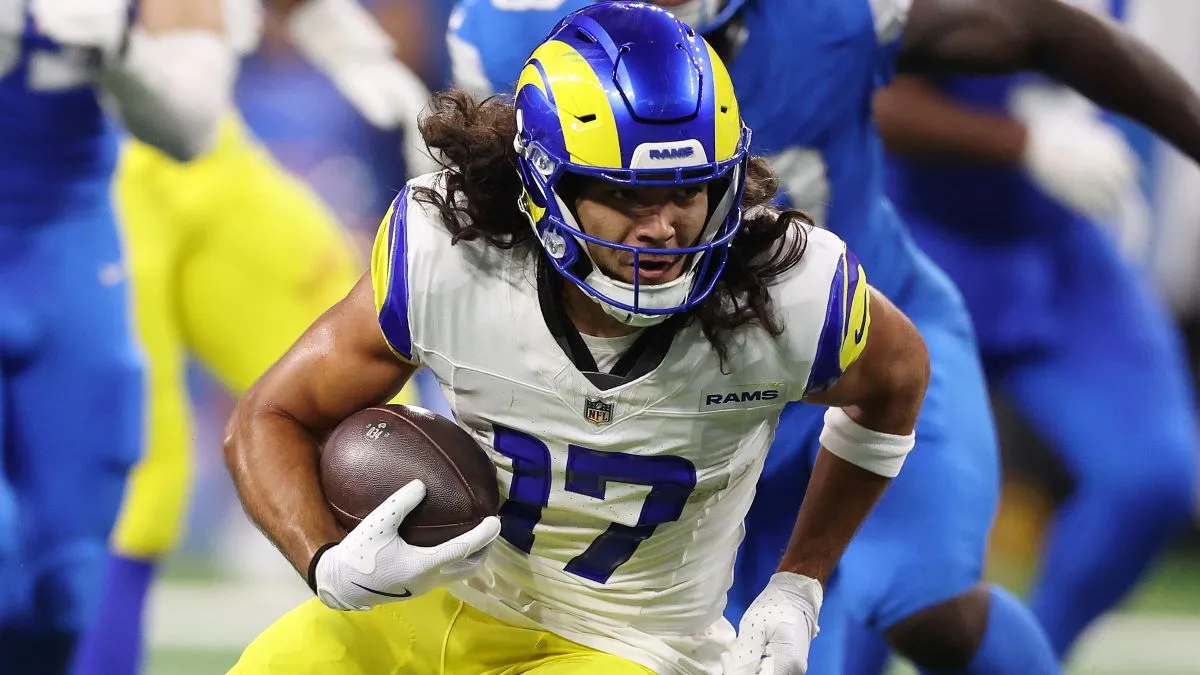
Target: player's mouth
658,269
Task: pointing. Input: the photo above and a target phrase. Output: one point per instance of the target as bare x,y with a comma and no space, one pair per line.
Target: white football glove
778,628
1082,162
344,42
99,24
243,24
373,565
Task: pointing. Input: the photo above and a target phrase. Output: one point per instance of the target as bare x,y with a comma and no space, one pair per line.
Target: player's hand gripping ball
419,497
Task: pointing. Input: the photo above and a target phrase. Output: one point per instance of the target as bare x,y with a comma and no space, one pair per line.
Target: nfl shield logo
597,411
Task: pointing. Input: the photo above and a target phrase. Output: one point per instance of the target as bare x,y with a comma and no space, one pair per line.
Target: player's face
646,217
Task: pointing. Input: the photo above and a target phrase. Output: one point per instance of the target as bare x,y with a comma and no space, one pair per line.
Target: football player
619,321
71,371
806,73
1005,183
231,258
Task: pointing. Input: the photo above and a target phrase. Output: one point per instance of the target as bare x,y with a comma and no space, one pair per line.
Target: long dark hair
479,201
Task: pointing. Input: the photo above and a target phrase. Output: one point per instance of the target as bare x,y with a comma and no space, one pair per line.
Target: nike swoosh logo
862,327
406,594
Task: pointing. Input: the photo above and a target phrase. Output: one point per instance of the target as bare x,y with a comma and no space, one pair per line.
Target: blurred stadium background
226,583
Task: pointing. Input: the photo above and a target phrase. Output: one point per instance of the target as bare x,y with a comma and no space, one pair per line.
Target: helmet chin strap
670,294
654,296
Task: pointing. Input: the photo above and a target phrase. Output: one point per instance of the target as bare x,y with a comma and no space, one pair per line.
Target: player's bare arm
1061,143
882,391
165,15
917,120
1090,54
342,364
869,430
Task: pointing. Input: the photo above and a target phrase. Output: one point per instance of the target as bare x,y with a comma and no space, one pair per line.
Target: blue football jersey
58,146
804,71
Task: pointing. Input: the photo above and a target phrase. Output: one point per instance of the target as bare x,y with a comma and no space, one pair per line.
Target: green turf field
190,661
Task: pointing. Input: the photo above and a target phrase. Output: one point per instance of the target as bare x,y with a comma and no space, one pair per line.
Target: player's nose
655,227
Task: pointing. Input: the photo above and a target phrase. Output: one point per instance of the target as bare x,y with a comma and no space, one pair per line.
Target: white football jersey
622,509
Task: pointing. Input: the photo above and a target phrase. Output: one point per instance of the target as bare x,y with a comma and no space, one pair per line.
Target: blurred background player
919,585
231,258
72,377
1008,183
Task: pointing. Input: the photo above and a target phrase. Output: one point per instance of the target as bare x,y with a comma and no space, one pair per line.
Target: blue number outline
671,480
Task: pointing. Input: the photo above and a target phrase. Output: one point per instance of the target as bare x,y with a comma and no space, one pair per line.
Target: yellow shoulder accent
381,260
858,310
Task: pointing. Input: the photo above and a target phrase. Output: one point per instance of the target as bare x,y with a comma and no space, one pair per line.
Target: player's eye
687,194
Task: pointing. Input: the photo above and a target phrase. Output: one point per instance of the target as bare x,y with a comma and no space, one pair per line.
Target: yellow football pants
434,634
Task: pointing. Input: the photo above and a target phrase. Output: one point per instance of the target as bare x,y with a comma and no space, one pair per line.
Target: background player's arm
1090,54
881,390
173,80
916,120
345,42
1062,144
341,365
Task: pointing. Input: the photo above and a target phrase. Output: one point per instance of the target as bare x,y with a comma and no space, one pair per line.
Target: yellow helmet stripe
584,112
728,132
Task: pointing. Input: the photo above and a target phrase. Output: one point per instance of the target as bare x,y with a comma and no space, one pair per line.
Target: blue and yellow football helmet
624,92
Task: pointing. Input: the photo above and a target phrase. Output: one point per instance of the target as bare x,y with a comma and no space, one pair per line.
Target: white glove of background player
1080,161
373,565
342,40
98,24
778,628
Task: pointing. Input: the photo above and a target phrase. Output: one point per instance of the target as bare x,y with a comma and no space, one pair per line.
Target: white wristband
875,451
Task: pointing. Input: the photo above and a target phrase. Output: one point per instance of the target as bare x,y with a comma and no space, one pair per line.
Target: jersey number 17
671,481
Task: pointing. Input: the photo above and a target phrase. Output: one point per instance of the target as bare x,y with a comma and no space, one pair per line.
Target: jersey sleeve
823,302
389,279
843,334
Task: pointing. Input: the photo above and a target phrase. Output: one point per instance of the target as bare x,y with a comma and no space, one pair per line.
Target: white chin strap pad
657,296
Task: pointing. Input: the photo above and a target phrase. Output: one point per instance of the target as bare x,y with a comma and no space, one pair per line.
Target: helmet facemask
551,212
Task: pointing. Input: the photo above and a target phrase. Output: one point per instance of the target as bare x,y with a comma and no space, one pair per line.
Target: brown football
377,451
